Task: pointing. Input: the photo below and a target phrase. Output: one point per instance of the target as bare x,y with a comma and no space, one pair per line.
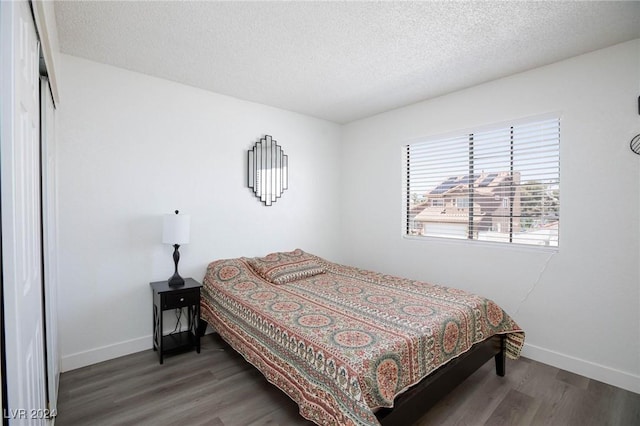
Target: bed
351,346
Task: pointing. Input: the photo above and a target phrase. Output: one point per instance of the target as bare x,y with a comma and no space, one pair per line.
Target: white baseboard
104,353
601,373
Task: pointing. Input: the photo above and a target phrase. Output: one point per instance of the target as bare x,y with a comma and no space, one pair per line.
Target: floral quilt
339,340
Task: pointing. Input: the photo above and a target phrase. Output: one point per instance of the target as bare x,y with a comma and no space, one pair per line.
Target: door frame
5,63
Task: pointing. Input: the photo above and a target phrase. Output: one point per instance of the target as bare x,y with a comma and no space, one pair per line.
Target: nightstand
168,298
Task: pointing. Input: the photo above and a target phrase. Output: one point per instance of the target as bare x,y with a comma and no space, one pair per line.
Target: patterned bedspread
339,340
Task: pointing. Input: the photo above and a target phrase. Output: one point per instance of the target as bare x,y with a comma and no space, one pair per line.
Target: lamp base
176,281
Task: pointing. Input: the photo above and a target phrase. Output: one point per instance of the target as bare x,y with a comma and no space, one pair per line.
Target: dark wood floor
217,387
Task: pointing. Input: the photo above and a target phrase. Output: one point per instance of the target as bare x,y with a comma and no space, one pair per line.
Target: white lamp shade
176,228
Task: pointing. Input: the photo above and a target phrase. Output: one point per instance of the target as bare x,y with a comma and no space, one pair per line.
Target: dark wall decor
268,170
635,144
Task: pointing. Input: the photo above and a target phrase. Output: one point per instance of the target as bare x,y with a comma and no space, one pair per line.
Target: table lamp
175,231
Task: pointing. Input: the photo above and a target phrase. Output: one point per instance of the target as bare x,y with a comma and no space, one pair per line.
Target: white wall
583,309
132,148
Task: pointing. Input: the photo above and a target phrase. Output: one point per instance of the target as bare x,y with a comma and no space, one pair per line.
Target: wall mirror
268,170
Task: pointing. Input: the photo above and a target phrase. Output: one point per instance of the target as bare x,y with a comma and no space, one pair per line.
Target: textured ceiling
340,61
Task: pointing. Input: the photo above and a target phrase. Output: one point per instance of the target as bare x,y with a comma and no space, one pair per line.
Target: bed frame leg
202,327
501,358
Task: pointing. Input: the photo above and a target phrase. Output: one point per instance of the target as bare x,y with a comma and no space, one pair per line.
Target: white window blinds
500,185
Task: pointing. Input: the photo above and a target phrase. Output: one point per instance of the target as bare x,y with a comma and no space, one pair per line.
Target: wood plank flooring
219,388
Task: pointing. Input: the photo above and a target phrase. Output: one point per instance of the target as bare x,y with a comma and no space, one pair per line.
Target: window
462,202
501,185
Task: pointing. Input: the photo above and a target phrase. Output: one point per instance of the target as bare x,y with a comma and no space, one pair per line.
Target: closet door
50,242
21,215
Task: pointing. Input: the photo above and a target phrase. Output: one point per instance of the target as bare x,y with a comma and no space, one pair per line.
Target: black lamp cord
178,326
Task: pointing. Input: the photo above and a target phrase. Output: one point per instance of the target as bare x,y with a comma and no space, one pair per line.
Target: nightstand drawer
180,299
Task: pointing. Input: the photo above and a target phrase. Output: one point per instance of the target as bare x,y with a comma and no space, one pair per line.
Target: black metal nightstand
166,298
